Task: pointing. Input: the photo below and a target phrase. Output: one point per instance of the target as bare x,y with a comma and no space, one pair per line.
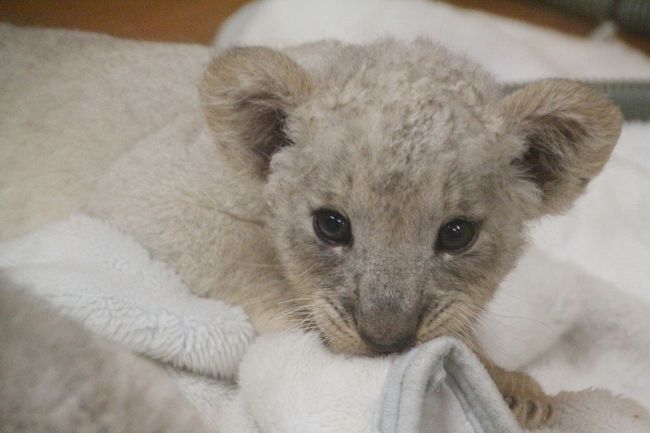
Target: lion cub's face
394,222
398,180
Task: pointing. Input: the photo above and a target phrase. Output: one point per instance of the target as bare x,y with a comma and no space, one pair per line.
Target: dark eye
332,227
456,236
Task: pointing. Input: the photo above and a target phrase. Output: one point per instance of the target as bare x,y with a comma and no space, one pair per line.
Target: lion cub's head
398,178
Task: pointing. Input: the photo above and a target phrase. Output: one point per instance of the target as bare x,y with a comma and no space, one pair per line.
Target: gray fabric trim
466,405
388,422
443,361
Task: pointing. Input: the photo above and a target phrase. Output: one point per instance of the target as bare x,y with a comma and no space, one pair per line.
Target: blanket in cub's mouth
288,382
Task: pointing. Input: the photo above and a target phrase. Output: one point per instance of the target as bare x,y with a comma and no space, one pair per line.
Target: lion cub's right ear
247,95
566,131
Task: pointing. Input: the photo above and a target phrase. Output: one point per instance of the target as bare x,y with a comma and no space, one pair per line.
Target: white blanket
512,50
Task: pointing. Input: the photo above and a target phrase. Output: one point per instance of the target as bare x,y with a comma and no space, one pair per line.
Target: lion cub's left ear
247,95
566,131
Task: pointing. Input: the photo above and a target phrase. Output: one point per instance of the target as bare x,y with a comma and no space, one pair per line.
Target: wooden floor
197,20
157,20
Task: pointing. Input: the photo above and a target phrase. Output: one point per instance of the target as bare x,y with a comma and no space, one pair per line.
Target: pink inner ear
265,132
247,94
552,144
568,131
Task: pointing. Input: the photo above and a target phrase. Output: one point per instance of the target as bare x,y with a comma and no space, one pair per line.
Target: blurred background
197,20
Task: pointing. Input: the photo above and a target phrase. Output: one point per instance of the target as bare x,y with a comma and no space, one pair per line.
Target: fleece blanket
511,50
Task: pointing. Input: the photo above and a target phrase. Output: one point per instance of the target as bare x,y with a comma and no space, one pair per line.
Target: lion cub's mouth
338,331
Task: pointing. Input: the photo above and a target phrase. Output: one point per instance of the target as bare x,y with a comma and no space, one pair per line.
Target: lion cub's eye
456,236
332,227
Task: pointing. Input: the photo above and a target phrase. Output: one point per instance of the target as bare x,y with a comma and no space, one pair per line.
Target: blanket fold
90,272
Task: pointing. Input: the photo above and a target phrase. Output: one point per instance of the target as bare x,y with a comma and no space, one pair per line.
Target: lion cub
375,193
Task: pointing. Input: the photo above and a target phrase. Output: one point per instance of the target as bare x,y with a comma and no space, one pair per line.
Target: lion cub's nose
387,330
388,345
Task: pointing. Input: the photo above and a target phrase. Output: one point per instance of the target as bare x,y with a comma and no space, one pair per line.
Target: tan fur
401,138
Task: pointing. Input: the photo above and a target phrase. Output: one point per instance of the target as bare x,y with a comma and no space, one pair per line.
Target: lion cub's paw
530,410
530,406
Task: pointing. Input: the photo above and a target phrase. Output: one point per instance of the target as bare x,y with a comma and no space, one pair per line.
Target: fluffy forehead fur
400,138
391,127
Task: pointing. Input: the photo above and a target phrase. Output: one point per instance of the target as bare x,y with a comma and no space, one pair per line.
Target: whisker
504,316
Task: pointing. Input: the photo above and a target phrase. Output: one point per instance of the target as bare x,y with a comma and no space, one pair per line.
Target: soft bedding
575,313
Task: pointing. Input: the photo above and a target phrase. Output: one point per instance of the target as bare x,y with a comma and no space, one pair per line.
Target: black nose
388,345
